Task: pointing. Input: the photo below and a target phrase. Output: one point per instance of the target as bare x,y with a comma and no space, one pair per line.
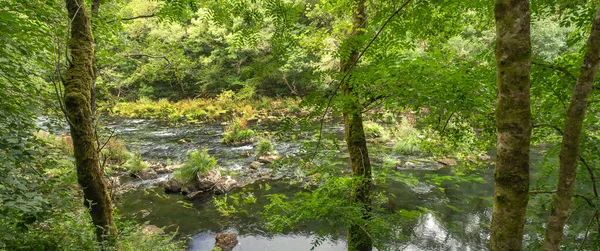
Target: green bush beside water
198,162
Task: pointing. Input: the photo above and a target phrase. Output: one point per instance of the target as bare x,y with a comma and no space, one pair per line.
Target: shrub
198,162
408,145
115,151
376,131
135,163
238,133
264,147
408,141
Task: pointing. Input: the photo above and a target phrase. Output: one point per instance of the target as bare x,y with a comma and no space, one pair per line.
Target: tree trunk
513,121
569,152
95,7
77,99
358,238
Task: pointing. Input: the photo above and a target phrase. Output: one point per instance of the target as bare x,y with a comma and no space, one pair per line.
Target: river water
457,215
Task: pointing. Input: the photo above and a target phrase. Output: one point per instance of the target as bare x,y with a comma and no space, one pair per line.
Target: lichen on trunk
569,152
513,122
78,109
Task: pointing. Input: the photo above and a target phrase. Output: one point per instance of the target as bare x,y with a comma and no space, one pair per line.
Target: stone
113,183
226,241
142,214
447,161
471,158
255,165
173,186
147,174
167,169
196,195
208,182
408,164
484,157
269,158
224,185
151,230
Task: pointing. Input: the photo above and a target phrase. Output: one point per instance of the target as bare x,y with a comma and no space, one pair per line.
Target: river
457,215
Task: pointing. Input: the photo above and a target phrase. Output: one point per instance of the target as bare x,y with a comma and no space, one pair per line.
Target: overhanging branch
149,56
132,18
556,68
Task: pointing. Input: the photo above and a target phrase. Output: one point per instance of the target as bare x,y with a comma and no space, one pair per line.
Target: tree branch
149,56
132,18
337,87
556,68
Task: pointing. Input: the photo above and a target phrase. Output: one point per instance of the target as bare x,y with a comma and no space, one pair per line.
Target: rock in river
147,174
224,185
447,161
255,165
269,158
226,241
173,186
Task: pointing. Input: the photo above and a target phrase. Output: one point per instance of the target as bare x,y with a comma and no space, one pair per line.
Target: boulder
173,186
226,241
166,169
269,158
406,165
485,157
208,182
447,161
224,185
255,165
147,174
152,230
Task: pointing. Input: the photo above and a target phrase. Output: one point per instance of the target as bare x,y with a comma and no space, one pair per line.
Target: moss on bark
358,238
569,152
77,99
513,121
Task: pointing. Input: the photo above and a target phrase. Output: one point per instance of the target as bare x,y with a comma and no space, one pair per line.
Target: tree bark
78,109
569,152
358,238
513,121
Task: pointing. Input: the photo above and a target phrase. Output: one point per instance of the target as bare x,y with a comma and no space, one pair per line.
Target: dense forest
299,125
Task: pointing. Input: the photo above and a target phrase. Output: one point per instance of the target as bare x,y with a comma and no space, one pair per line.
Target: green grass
135,164
238,133
376,131
407,139
198,162
264,146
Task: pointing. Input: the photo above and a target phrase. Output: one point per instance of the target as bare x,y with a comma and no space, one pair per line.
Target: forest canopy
338,124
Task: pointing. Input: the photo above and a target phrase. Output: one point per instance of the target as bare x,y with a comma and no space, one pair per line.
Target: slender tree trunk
95,7
77,99
569,152
513,121
358,238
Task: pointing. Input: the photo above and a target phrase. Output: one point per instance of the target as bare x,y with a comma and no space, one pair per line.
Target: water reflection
456,218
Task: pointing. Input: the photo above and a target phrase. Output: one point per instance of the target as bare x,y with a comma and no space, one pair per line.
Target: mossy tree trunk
78,109
513,122
569,152
358,238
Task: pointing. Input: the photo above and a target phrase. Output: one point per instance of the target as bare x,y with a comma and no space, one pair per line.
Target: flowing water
458,215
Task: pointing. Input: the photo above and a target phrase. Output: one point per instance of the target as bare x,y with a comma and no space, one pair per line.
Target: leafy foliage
198,162
238,133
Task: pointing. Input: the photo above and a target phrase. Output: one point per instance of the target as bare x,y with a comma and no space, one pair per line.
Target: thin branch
149,56
350,70
556,68
592,175
587,230
132,18
112,133
588,200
